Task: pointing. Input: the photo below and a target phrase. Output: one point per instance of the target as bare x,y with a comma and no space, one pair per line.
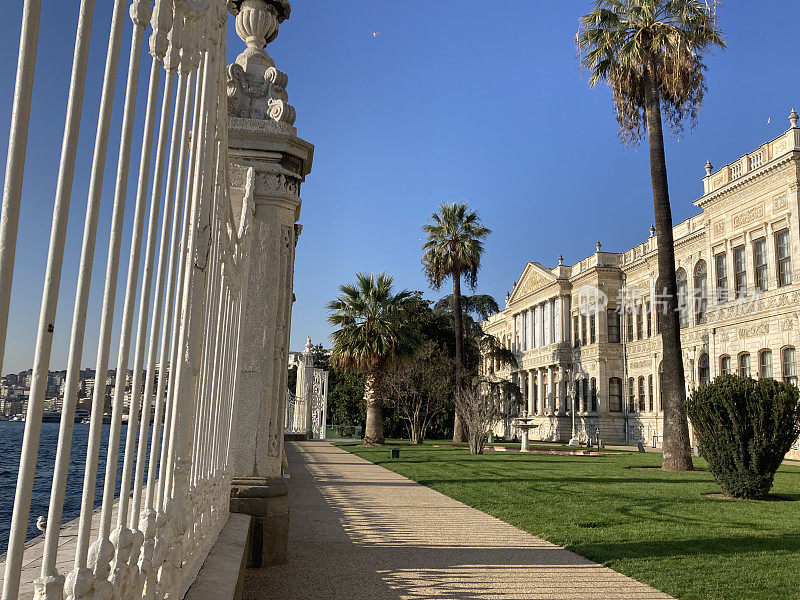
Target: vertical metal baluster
49,577
15,161
128,540
130,303
167,267
44,338
149,517
82,579
165,464
192,310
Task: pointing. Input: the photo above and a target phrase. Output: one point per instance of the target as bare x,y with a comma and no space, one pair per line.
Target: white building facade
588,333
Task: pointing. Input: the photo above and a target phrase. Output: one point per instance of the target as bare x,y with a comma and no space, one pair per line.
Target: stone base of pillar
267,502
524,445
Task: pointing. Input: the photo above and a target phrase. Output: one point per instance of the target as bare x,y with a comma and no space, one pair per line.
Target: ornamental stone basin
526,424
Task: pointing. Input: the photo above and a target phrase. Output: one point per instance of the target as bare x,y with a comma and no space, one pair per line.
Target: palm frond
454,244
621,39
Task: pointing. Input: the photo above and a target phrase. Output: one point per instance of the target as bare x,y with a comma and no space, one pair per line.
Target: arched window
641,394
703,373
725,365
683,292
765,364
594,394
700,289
744,365
650,392
631,395
790,365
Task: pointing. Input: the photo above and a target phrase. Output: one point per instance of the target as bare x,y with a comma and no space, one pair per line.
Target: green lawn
654,526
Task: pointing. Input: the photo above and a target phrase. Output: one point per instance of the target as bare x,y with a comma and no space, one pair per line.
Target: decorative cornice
732,186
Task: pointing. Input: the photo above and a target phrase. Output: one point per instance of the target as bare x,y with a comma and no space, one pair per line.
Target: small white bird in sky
769,120
374,34
41,523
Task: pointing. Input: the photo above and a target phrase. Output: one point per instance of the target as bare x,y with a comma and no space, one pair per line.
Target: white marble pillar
542,391
557,336
547,318
540,325
261,136
529,312
515,337
530,392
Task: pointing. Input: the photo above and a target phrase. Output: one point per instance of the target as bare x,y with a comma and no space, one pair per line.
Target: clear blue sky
454,101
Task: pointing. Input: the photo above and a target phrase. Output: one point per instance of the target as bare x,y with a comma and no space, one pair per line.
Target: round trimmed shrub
744,428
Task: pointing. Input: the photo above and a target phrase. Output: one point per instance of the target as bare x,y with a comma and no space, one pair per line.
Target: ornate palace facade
587,334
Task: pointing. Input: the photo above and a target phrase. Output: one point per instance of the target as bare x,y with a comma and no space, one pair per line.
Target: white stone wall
734,212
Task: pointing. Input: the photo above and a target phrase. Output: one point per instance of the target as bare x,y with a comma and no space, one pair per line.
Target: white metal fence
187,249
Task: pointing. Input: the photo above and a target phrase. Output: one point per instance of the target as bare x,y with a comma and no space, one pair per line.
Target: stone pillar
303,391
542,393
530,393
268,162
531,325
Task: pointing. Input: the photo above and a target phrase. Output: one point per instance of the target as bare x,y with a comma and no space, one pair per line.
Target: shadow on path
359,531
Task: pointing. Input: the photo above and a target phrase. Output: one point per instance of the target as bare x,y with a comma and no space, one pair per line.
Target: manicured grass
621,510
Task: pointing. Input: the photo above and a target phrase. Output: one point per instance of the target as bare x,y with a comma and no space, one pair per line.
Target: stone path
359,532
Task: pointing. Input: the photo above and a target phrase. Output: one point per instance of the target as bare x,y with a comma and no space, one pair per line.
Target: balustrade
186,285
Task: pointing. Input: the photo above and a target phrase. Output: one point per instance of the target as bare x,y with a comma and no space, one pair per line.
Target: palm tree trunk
677,453
373,432
459,433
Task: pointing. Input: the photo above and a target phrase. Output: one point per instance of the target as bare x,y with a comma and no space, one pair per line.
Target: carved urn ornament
256,89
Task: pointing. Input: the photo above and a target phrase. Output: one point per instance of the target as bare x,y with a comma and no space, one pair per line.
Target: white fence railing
188,253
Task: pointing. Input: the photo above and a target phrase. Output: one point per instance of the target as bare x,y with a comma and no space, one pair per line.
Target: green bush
744,428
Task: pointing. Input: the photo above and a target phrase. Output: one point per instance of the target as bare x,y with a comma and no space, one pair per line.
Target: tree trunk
373,432
459,431
677,453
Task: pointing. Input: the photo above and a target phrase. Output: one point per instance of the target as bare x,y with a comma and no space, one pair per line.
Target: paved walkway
67,545
361,532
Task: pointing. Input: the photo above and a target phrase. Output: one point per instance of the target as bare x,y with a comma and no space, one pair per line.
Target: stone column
531,325
540,391
515,335
530,393
303,392
261,137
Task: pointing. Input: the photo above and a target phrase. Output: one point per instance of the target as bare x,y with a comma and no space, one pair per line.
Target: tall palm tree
650,53
373,330
453,249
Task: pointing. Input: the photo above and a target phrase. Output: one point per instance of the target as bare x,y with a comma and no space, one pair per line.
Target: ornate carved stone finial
709,168
309,345
560,260
256,89
793,117
652,231
598,245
